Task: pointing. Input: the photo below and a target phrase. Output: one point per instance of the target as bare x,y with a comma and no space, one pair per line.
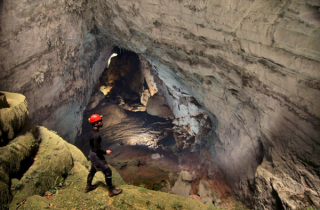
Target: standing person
96,155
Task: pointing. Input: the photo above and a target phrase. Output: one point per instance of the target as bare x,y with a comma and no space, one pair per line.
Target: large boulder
183,185
158,106
207,195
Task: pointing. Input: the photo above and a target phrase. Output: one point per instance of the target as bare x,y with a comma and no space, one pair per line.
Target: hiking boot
113,191
89,188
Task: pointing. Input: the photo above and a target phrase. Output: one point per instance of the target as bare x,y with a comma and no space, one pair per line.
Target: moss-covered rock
35,202
12,119
12,158
3,101
51,165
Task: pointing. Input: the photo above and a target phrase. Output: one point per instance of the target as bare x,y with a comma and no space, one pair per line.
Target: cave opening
142,143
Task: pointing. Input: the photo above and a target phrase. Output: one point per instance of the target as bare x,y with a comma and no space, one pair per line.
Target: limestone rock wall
48,54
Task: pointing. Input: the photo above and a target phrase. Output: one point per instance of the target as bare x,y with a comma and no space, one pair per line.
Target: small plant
56,185
36,182
148,202
17,186
142,189
27,177
177,205
160,206
126,202
70,172
142,185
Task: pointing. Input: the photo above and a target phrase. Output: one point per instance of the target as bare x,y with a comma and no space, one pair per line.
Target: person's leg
91,174
108,176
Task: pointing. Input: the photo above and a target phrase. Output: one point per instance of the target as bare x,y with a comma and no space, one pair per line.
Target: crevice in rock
26,163
278,204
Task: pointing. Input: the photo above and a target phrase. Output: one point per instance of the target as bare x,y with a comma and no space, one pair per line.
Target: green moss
14,117
12,155
36,202
154,199
177,205
4,193
16,151
44,172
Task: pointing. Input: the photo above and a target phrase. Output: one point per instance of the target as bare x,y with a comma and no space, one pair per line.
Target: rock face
48,54
251,67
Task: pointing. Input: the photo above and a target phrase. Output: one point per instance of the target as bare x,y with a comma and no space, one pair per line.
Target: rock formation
251,67
40,170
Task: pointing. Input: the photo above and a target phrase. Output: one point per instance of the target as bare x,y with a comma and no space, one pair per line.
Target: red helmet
95,118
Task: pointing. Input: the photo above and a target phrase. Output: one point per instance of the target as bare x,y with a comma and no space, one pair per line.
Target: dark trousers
107,174
99,165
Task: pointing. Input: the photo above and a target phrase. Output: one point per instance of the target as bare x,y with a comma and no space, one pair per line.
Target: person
96,156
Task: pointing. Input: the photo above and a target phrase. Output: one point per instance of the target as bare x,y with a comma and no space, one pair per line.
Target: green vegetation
177,205
56,185
142,189
126,202
160,205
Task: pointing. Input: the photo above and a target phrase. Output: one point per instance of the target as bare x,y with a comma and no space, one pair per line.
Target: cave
140,125
226,91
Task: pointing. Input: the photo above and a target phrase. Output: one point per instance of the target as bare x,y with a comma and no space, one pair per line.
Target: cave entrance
141,143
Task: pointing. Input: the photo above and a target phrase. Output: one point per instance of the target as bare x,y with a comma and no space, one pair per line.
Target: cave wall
254,65
48,54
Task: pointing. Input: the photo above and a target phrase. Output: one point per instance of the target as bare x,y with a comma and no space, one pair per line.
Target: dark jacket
95,141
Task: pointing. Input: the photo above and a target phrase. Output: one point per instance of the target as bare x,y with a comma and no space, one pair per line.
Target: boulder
186,176
207,195
12,119
158,106
181,187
